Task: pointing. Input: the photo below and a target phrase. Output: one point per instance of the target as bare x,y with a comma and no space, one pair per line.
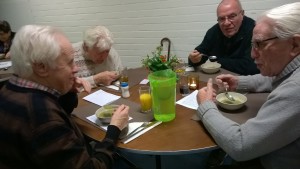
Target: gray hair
286,19
99,36
34,44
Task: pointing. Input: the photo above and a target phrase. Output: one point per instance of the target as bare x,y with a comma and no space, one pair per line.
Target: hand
79,83
228,80
206,93
120,117
195,56
106,78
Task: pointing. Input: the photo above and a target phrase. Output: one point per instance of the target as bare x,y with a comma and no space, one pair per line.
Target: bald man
229,40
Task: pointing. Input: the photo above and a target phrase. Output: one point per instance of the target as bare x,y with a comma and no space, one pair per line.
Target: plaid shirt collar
32,85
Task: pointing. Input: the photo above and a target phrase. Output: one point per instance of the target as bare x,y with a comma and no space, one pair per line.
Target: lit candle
193,82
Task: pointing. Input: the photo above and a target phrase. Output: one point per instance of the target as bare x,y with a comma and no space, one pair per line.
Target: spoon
211,58
229,96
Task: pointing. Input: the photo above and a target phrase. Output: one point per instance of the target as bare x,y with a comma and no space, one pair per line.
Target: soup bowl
227,104
210,67
105,113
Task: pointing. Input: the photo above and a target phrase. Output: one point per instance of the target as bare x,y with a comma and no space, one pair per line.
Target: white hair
99,36
285,18
34,44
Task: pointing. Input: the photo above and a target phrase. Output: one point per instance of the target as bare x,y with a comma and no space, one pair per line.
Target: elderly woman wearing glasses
273,135
229,40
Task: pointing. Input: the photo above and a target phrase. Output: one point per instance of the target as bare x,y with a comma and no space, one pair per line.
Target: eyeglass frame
256,45
230,17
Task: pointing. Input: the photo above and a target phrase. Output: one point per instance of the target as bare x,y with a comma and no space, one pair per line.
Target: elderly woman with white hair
273,135
97,60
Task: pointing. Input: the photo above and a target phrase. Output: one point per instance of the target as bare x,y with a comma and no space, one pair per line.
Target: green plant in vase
156,61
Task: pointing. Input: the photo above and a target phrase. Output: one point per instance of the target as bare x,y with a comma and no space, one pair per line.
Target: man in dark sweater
229,40
35,129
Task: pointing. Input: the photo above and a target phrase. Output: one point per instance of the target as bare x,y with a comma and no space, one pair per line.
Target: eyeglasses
256,45
230,17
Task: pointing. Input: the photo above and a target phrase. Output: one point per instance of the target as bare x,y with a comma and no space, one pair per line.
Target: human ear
242,12
295,45
40,69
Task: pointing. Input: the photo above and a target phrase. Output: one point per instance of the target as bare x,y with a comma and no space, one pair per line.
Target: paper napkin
101,97
189,101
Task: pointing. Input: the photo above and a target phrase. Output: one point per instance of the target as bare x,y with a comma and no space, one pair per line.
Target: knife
132,134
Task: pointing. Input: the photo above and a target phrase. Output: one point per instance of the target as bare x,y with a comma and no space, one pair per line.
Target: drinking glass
145,99
124,75
184,85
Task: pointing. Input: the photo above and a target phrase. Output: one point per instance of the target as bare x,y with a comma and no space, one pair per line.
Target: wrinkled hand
120,117
81,83
106,78
206,93
227,80
195,56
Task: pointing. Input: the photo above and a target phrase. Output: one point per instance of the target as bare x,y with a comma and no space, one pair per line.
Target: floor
193,161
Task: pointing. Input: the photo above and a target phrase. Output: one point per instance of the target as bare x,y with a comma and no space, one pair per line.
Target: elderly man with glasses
273,135
229,40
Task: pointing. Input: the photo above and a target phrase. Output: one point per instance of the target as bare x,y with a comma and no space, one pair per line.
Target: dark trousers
2,83
218,158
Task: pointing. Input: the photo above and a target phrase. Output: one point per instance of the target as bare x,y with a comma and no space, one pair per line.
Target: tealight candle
193,81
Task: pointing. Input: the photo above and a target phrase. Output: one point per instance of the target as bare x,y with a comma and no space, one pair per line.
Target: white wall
137,25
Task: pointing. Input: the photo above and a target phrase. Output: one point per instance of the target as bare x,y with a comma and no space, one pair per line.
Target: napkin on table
97,97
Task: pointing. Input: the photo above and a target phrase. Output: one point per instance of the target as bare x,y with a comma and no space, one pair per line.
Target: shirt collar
291,67
18,81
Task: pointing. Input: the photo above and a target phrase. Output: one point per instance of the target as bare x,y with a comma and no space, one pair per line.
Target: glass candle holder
194,80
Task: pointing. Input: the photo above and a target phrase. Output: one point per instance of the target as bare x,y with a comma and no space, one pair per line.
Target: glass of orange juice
145,99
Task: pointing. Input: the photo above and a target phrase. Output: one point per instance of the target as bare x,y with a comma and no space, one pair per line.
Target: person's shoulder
214,30
249,21
248,25
215,27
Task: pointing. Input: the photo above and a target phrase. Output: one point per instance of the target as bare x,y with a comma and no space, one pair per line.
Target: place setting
141,117
228,102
